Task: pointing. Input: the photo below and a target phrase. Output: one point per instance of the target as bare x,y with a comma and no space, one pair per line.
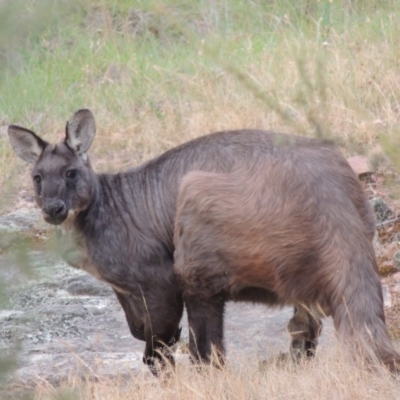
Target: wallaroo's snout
54,211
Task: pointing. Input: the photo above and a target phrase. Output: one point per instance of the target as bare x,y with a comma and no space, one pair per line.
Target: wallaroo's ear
26,144
80,131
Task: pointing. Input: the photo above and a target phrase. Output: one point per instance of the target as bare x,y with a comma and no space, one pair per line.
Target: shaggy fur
294,226
258,216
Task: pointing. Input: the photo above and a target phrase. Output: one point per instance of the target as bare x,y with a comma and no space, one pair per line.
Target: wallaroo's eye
37,179
71,174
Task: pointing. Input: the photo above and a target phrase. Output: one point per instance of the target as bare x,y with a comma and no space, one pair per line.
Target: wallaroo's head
62,176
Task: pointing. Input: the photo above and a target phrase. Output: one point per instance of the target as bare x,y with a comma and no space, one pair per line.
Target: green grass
154,47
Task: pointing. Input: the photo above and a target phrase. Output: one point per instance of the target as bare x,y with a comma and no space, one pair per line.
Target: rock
396,260
65,311
387,298
360,165
21,220
56,368
16,226
7,314
382,211
87,285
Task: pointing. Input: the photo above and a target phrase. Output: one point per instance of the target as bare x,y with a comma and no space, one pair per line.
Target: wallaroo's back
236,215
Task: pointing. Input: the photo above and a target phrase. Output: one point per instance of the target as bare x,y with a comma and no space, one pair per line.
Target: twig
390,221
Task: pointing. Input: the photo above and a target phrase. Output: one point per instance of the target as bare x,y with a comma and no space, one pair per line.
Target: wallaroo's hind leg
305,330
206,328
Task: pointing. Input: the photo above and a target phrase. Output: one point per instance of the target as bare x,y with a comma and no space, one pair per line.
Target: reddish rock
360,165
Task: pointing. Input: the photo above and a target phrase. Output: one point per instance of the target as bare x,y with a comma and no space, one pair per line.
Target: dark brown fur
297,226
257,216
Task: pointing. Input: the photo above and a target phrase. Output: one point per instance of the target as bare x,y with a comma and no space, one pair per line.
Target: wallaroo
242,215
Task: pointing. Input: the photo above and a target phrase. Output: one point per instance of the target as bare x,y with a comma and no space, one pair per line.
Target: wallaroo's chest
73,250
116,256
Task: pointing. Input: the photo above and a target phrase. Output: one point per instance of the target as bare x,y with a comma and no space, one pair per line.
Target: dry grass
331,376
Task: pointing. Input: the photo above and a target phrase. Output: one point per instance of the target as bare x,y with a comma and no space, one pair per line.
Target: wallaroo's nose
54,211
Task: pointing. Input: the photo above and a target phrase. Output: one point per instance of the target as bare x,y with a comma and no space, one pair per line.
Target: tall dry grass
331,376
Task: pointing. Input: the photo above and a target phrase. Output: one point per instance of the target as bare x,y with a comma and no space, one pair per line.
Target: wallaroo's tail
358,313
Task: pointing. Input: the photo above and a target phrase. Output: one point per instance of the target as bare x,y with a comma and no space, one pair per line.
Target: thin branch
390,221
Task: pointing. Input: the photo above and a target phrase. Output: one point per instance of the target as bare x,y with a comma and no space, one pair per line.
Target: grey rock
8,314
387,297
16,226
60,311
382,211
87,285
21,220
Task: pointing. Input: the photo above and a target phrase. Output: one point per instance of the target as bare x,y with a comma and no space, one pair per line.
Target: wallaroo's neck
136,203
94,203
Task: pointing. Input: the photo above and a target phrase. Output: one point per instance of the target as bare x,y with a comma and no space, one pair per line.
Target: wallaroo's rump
238,215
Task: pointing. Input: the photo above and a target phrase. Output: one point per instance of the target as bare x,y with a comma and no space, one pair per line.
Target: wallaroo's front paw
393,364
154,365
302,349
159,364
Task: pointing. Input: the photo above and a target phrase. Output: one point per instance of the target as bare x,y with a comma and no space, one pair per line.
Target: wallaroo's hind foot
215,360
277,360
305,330
392,362
204,355
380,350
206,329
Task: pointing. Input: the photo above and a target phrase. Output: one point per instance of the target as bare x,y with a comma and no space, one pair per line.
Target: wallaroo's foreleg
135,316
160,329
305,330
359,318
206,328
